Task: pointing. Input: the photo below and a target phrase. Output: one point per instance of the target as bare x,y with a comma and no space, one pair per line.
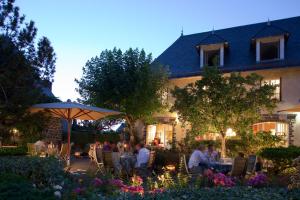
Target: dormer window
211,50
268,49
212,55
269,43
212,58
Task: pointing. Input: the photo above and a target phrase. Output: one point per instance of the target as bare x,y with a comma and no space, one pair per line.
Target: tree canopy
218,102
124,81
23,68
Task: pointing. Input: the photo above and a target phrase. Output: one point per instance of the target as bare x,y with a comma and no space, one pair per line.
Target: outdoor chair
251,164
151,160
189,173
238,167
64,152
31,149
99,161
107,160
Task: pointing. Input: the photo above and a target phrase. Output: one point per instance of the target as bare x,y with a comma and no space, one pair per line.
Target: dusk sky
80,30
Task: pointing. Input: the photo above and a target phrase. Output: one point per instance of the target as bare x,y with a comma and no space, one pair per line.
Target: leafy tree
125,82
46,59
218,102
21,76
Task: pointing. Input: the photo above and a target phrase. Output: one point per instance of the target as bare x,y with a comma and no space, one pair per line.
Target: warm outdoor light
230,133
170,167
77,154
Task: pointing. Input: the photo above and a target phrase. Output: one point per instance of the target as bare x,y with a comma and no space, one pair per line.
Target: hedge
13,151
17,187
282,157
41,171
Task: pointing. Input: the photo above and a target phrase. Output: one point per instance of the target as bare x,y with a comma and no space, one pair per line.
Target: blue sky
80,30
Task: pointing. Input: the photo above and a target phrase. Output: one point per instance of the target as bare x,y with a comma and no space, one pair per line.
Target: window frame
268,81
281,50
269,43
212,47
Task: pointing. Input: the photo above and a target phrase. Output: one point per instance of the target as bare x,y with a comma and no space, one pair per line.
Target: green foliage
41,171
281,157
23,69
235,193
81,138
216,102
246,143
46,59
124,82
18,151
17,187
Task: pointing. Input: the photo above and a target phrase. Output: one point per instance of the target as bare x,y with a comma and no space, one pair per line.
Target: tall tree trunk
223,144
130,124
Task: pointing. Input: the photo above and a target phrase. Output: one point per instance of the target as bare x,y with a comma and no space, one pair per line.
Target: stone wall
53,133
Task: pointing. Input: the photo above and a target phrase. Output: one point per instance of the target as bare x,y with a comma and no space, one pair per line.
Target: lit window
212,58
276,128
276,83
269,50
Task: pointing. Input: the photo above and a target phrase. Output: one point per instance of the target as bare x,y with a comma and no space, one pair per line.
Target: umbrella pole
69,141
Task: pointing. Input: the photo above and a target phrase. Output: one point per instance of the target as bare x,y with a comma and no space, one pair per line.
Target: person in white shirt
142,156
40,146
198,160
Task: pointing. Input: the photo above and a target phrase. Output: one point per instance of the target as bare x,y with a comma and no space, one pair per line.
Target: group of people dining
203,158
124,155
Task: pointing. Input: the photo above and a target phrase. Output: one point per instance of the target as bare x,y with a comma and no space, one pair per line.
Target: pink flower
133,189
156,191
79,190
97,182
137,181
222,180
117,183
208,173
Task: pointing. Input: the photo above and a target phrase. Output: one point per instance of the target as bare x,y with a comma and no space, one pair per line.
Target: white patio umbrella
69,111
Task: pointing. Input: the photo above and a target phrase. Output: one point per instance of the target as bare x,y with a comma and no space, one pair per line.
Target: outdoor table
127,162
221,167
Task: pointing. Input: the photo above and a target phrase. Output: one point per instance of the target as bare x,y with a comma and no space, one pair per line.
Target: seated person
198,161
106,146
40,146
116,158
142,156
211,154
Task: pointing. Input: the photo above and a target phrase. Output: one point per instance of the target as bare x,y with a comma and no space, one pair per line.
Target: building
270,49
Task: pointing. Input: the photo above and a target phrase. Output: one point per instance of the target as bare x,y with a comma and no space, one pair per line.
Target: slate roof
212,38
182,57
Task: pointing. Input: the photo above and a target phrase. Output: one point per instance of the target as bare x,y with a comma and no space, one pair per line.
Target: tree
123,81
218,102
46,59
20,77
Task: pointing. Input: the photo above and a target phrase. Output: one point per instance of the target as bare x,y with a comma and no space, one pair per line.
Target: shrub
16,187
281,157
234,193
41,171
5,151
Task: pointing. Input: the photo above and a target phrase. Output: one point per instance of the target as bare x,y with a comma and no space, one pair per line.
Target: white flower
57,194
57,187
